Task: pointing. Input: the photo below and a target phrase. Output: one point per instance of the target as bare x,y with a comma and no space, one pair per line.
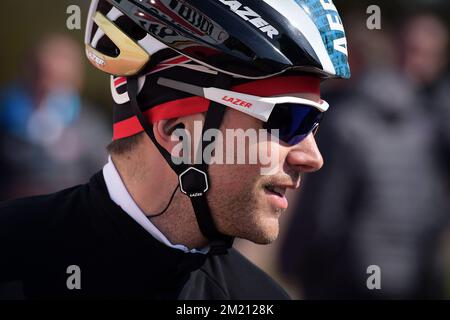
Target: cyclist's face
246,202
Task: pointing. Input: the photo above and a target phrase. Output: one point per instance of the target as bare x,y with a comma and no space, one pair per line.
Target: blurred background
53,124
382,198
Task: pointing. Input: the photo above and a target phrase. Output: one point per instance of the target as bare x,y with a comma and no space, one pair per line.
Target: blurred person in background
48,138
380,198
424,60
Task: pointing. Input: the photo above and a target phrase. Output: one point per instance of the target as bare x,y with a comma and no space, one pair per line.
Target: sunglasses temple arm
181,86
213,94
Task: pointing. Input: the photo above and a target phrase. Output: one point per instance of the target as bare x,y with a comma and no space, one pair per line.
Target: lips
277,196
277,190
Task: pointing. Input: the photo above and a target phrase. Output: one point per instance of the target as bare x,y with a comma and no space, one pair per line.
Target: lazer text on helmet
335,23
251,16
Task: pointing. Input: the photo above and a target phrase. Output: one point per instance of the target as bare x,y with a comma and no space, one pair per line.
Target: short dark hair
125,145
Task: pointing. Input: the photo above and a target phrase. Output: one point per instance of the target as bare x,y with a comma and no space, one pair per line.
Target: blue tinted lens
294,121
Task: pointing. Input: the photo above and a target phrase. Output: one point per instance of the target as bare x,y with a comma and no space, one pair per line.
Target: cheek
233,179
271,155
248,160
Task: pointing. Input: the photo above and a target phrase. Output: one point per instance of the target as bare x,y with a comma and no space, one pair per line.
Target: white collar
120,195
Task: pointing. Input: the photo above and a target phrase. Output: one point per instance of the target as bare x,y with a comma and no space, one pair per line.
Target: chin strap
194,179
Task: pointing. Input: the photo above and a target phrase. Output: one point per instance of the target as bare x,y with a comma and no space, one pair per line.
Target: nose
305,156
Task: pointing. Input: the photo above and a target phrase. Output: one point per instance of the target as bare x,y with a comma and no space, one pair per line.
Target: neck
178,224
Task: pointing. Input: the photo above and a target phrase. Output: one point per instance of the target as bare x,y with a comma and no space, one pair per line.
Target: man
42,115
149,225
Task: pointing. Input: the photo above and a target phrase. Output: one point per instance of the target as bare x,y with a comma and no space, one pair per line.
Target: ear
163,131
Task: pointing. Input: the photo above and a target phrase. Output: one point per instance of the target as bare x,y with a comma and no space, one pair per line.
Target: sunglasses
294,118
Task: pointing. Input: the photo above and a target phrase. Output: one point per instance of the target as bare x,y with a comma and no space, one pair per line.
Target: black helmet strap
194,179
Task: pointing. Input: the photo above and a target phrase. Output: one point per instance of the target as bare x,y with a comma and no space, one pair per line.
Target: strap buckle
194,182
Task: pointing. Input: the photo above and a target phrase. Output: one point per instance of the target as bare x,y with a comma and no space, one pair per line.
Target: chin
265,232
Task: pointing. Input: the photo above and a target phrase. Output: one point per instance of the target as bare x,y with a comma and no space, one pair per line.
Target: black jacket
40,237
